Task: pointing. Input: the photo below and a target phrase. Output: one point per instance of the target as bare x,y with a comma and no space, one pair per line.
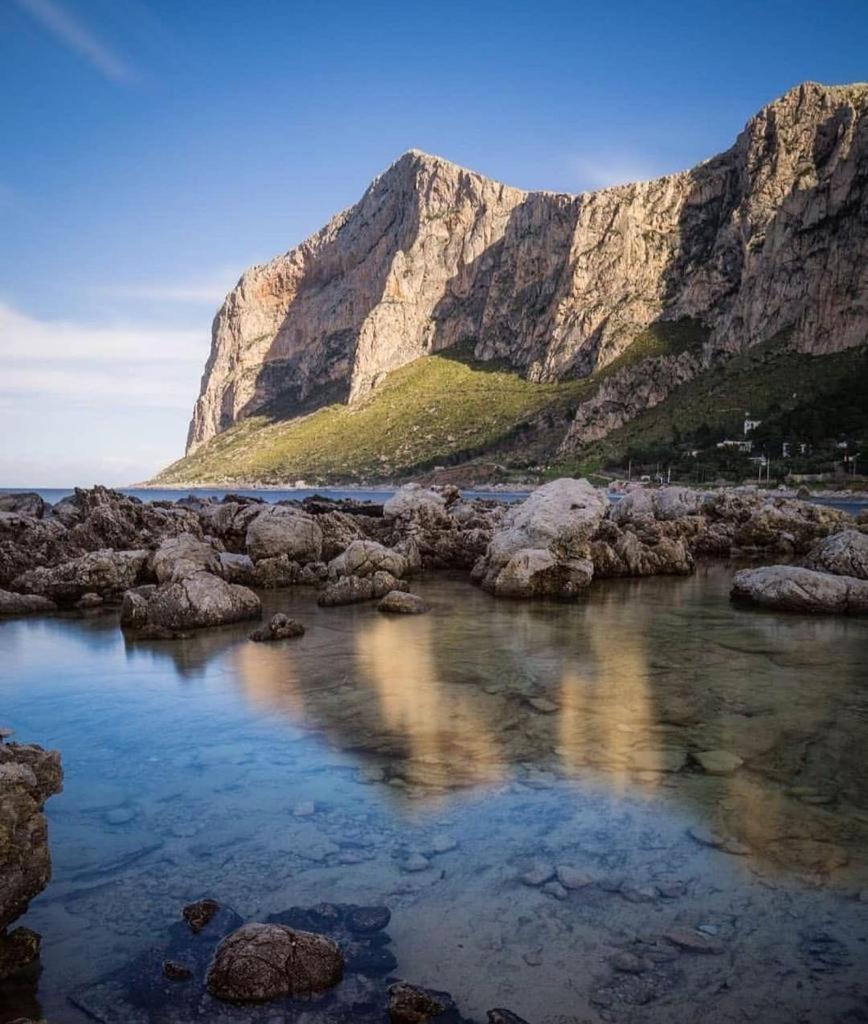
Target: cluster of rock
833,578
336,953
29,775
178,566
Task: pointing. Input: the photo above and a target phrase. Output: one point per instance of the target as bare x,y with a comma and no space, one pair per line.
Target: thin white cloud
607,169
28,338
210,291
77,38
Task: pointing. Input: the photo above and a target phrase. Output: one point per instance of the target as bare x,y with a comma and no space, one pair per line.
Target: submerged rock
409,1004
280,627
200,913
259,962
29,775
795,589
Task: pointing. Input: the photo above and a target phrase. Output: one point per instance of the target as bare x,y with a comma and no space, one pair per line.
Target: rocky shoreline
176,566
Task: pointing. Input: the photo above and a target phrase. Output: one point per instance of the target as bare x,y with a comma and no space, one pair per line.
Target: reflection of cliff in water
620,691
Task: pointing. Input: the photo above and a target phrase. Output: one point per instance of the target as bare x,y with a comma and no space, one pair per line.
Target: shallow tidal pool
522,785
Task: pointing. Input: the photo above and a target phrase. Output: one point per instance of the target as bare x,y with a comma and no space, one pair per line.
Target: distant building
742,446
750,424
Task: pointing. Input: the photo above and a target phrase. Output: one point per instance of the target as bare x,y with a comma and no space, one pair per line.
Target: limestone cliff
769,237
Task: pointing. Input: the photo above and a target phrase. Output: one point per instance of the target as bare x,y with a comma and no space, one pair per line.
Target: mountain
446,316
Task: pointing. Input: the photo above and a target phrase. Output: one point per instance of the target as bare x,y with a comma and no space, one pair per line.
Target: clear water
519,732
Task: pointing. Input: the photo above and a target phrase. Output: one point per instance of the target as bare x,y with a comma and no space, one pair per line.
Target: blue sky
152,149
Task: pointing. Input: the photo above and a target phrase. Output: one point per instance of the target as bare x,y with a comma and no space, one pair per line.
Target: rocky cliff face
769,237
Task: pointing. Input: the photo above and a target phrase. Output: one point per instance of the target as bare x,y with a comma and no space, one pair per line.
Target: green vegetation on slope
799,398
439,410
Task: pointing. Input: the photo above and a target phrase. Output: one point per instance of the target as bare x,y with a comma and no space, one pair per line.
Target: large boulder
29,775
259,962
181,556
195,602
235,568
24,604
844,554
398,602
793,588
421,504
105,572
284,530
542,546
617,552
364,558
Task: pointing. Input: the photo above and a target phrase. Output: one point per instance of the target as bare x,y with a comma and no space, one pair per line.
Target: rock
198,601
259,962
89,601
629,963
175,971
400,603
415,862
537,873
29,775
542,546
666,759
235,568
280,627
501,1016
413,502
104,572
718,762
24,503
198,914
443,843
179,557
354,589
282,530
843,554
795,589
692,941
713,837
367,920
18,949
573,878
409,1004
24,604
304,809
366,557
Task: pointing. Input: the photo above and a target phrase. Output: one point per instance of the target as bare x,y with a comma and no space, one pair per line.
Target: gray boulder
24,503
364,558
844,554
235,568
793,588
195,602
280,627
181,556
259,962
105,572
283,530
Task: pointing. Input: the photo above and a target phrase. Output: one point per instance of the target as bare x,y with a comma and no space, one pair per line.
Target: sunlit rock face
764,238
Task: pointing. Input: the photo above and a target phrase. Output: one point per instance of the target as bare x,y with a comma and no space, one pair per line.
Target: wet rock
843,554
537,873
200,913
259,962
366,920
555,889
29,775
707,835
573,878
397,602
175,971
198,601
629,963
665,759
692,941
364,558
304,809
282,530
501,1016
355,589
718,762
280,627
119,816
24,604
18,949
415,862
792,588
89,601
443,843
105,572
409,1004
